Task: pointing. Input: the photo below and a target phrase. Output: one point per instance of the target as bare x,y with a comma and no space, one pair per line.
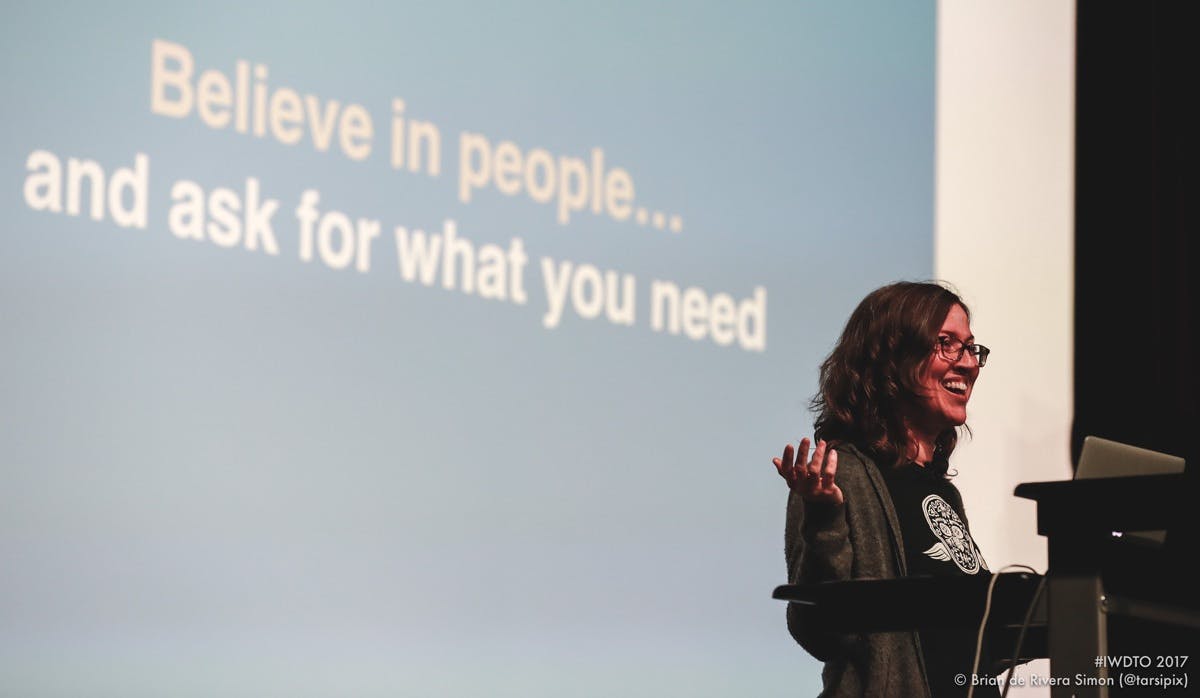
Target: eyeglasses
952,350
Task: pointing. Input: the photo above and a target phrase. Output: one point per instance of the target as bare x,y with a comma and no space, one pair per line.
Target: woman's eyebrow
946,333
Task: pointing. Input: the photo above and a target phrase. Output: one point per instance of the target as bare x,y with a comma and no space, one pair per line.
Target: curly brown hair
871,379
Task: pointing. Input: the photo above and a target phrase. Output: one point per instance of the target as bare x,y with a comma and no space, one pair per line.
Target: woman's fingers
813,475
786,465
813,468
829,470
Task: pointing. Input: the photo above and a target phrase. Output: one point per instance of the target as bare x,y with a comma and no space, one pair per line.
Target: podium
1110,600
1107,600
923,603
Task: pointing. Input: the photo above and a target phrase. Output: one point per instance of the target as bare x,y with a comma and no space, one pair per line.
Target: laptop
1105,458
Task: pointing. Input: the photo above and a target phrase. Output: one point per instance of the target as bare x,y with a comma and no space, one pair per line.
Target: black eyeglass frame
948,351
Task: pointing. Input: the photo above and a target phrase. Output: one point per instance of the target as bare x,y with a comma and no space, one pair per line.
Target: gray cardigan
857,540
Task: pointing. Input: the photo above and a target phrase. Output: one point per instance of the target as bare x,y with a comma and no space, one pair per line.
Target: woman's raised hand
811,479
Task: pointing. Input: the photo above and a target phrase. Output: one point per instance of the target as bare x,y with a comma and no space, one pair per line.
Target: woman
874,500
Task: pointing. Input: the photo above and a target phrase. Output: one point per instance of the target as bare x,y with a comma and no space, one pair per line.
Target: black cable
1012,669
987,609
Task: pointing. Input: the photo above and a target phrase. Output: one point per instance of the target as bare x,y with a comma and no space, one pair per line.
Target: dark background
1135,242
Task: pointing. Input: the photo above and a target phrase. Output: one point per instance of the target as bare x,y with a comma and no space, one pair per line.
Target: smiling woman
949,375
875,500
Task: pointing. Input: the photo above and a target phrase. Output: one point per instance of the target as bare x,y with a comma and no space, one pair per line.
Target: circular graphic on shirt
954,540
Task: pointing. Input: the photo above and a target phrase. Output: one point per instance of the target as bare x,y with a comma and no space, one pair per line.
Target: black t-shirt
937,543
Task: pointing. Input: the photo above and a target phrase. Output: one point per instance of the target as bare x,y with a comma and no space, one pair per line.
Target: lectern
1108,601
1111,603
